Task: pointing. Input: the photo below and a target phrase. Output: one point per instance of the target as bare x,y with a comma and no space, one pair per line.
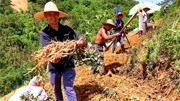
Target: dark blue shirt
64,33
120,24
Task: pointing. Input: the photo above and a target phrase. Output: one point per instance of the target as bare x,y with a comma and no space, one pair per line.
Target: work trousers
67,79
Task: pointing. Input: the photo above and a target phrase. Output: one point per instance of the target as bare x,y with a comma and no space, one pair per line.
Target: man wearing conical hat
100,40
63,69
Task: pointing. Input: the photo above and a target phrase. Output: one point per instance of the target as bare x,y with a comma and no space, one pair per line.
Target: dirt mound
19,5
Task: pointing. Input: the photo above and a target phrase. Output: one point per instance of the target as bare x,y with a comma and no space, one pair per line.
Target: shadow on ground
87,91
113,67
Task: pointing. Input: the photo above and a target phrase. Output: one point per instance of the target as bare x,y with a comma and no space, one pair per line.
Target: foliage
19,39
177,64
151,50
169,35
5,8
91,58
87,57
86,15
28,97
166,39
156,16
19,32
111,94
11,78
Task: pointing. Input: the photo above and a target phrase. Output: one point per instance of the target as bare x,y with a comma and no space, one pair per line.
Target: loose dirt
119,86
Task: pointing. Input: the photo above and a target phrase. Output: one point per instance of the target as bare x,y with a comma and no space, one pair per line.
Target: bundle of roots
50,52
53,50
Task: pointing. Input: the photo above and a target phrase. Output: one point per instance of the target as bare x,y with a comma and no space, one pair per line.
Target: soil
118,85
19,5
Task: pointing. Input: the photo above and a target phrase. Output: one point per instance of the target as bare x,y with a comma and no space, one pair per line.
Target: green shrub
166,38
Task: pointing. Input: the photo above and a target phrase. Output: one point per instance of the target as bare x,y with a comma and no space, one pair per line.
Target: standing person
120,24
143,20
100,40
63,69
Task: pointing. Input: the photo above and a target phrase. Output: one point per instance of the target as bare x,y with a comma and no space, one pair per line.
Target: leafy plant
88,57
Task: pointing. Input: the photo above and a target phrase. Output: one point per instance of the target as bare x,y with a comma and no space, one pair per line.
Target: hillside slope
119,83
157,77
19,32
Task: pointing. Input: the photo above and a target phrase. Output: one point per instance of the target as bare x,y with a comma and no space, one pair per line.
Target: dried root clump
53,50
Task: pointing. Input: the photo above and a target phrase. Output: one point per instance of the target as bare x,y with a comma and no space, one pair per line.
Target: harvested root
50,52
53,51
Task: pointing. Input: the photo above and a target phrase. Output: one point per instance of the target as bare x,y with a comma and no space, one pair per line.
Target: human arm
119,26
44,39
108,37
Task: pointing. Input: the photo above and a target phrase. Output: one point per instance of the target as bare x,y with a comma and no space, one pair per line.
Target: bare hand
117,35
139,9
56,59
80,43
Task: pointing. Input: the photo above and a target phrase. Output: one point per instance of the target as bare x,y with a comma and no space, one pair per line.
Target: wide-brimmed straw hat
49,6
109,22
120,13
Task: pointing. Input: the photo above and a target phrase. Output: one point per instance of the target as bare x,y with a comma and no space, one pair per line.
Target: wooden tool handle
123,29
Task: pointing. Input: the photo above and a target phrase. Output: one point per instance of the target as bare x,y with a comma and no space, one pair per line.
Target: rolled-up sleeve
44,39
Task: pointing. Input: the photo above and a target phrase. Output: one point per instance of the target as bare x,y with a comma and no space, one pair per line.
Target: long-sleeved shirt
143,19
64,33
120,25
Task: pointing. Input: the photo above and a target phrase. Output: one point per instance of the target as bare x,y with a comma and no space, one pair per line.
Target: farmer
63,68
100,40
120,24
143,20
